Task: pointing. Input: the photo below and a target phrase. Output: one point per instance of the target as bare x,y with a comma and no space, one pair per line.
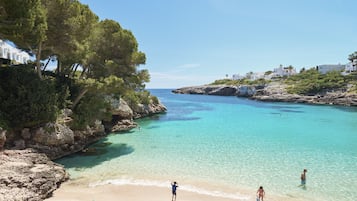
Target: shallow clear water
232,144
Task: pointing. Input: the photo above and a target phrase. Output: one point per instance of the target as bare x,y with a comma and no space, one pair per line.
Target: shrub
155,100
90,108
312,82
26,100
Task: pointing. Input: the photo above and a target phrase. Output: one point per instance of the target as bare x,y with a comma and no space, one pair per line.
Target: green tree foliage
26,100
25,23
268,72
311,82
92,107
244,81
352,56
113,51
69,26
112,60
69,32
226,82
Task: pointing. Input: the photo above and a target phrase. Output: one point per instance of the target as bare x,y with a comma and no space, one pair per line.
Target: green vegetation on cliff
312,82
307,82
95,59
240,82
25,99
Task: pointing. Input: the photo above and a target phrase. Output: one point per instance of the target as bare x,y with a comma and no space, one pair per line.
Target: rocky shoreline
273,92
27,172
28,175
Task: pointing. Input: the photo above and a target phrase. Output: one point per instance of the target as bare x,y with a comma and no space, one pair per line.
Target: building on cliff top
10,54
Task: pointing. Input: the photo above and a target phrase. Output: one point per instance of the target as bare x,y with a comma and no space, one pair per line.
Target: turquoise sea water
228,146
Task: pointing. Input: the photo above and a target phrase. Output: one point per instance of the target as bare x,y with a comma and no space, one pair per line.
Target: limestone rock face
224,91
27,175
219,90
275,92
53,134
246,91
146,110
124,125
122,110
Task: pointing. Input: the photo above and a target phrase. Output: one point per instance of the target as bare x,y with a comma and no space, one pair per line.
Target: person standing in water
303,178
260,194
174,187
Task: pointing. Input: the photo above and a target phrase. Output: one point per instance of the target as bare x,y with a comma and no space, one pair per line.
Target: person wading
260,194
303,178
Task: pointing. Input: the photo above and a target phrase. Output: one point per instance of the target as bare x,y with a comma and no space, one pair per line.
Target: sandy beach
73,191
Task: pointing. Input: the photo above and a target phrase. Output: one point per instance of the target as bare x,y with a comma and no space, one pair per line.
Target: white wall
9,52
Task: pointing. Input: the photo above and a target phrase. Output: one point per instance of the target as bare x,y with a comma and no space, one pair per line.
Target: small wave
166,184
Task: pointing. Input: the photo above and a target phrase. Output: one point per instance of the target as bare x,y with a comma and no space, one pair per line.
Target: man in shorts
174,187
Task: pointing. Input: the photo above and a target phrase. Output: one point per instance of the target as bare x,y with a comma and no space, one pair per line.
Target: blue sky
194,42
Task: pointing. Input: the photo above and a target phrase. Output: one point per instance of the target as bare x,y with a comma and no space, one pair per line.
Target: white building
255,76
237,77
323,69
283,71
351,67
11,53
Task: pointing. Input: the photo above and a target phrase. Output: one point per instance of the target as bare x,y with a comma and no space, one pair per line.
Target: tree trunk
75,70
48,61
38,60
83,72
79,97
58,70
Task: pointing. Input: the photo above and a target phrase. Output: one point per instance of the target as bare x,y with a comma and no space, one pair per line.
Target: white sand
72,191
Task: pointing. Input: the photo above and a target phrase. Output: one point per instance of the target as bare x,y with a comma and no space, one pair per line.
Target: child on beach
260,194
174,187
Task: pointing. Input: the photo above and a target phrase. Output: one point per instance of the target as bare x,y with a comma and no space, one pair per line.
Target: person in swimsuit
260,193
303,178
174,187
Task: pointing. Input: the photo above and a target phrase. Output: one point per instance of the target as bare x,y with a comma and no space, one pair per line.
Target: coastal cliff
27,172
58,139
273,92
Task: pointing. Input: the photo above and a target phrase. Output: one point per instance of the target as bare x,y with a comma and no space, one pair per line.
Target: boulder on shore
28,175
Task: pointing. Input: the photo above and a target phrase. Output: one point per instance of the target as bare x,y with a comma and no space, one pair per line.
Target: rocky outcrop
276,92
273,92
246,91
332,98
123,116
28,175
58,143
55,139
53,134
147,110
123,125
122,110
219,90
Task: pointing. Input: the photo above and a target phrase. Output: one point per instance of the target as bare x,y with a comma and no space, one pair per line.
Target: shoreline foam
140,189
